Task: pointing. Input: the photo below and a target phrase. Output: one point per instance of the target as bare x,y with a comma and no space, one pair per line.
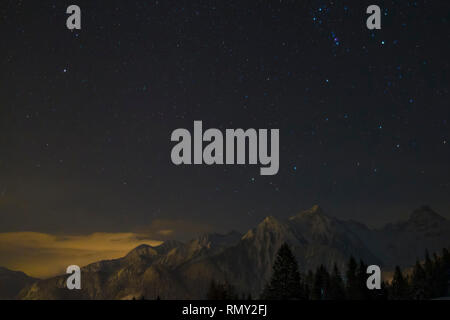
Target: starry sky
86,116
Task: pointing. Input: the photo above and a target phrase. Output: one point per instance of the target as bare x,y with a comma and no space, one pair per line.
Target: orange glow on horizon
44,255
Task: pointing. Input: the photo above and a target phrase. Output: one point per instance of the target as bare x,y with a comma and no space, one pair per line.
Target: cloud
43,255
180,229
166,232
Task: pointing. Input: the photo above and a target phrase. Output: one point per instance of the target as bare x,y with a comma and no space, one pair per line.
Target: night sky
86,116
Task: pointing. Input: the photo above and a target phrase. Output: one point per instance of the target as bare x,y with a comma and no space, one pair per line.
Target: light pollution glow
44,255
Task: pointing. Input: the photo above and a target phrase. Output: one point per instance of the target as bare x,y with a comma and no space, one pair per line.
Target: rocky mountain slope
11,282
176,270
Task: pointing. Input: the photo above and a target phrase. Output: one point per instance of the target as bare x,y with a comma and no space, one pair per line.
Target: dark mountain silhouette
176,270
11,282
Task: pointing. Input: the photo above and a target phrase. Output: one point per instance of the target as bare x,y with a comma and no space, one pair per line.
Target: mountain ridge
11,282
177,270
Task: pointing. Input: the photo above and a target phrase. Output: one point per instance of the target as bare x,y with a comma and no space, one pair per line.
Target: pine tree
212,293
418,282
383,293
308,284
437,277
352,284
316,288
361,274
321,284
429,276
285,283
445,273
221,291
306,292
446,258
399,286
336,290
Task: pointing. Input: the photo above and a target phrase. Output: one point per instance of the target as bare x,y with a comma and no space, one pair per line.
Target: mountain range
178,270
11,282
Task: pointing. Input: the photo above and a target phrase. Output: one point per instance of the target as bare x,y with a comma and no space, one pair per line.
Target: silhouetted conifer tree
418,282
383,293
352,284
445,273
429,276
446,258
321,284
221,291
399,286
361,274
336,289
285,283
308,284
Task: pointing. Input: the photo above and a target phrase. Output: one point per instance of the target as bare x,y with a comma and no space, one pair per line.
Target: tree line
426,280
